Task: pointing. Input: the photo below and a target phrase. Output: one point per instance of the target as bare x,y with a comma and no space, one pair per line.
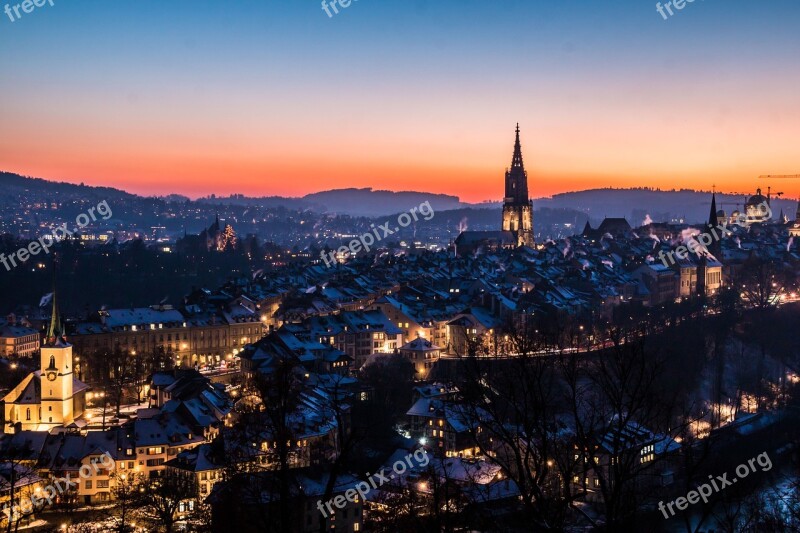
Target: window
102,483
28,413
88,485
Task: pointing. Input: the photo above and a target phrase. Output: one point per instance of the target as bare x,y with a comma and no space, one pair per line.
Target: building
17,339
517,224
51,396
616,227
27,485
471,242
648,456
200,470
517,206
794,229
449,427
423,354
251,503
358,334
210,333
660,282
757,209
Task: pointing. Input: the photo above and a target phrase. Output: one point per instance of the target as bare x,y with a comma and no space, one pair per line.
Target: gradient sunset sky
276,98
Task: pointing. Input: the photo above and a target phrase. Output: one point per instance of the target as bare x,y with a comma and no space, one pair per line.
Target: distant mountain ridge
365,202
633,204
659,205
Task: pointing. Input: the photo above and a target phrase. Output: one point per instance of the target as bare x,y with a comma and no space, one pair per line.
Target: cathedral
517,225
517,206
51,396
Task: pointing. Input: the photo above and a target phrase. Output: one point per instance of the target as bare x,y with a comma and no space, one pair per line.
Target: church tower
715,248
56,374
517,206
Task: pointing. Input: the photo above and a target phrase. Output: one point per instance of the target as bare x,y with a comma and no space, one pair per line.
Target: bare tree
128,492
162,498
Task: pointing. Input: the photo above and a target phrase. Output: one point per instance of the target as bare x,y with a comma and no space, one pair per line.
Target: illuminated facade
51,396
517,206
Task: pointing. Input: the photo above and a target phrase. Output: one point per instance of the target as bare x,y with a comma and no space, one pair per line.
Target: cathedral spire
516,178
516,160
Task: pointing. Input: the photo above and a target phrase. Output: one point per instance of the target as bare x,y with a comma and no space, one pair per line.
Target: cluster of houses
330,323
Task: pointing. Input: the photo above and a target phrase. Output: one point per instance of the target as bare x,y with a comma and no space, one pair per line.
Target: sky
274,97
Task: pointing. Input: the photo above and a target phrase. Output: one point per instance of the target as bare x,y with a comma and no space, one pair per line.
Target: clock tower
51,396
56,374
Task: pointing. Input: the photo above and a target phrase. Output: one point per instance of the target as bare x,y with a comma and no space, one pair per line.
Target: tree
128,493
162,498
263,439
391,378
518,401
14,455
761,283
621,402
120,372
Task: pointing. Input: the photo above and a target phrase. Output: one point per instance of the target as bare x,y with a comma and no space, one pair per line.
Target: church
517,225
51,396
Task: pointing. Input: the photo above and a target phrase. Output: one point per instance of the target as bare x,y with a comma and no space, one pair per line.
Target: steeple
715,248
516,160
713,221
516,177
55,332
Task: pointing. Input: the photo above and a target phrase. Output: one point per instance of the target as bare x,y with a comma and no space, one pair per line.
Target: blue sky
398,94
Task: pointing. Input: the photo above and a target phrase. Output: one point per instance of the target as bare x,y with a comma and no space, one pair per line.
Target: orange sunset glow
657,106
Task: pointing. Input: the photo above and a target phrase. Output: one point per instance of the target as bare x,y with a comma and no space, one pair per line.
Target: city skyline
415,96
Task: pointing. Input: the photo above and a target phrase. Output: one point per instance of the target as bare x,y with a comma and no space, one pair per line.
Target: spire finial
56,330
516,161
